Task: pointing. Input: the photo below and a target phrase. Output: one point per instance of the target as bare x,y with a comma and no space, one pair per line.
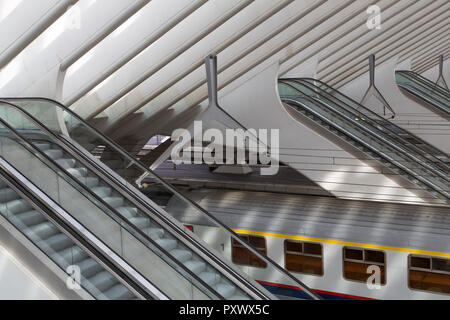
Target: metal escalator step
114,201
89,181
118,292
210,278
103,281
167,244
127,212
225,290
43,230
77,172
8,194
72,255
195,266
54,153
140,222
89,267
66,163
42,145
16,206
29,218
181,255
59,242
102,192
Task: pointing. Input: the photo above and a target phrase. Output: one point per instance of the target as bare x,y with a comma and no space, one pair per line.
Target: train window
241,255
303,257
429,274
356,262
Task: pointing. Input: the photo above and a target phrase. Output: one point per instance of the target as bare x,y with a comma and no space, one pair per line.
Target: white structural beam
102,33
160,28
34,31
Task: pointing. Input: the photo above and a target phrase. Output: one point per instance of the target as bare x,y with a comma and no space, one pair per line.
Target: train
341,249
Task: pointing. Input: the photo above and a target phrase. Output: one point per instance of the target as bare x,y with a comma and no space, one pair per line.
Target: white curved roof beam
421,47
138,79
359,38
433,52
429,63
393,32
34,31
355,21
193,88
386,52
102,33
390,9
291,14
40,61
128,56
131,105
260,52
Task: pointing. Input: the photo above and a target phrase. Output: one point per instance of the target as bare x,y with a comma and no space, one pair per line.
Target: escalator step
8,194
167,244
15,206
59,242
210,278
114,201
195,266
54,153
225,290
102,192
103,281
119,292
30,218
89,267
66,163
181,255
140,222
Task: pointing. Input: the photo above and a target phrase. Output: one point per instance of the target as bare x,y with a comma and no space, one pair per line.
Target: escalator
435,96
111,181
101,276
395,150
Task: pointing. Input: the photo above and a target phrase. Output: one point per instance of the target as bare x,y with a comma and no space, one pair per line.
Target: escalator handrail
375,115
426,97
79,234
412,173
370,121
422,81
69,147
28,145
397,146
384,155
148,171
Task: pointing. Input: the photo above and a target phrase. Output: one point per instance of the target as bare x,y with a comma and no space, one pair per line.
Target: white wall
16,282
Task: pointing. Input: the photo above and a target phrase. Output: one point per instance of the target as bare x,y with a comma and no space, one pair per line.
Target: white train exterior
399,231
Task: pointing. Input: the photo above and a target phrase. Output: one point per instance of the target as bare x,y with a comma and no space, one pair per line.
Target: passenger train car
332,245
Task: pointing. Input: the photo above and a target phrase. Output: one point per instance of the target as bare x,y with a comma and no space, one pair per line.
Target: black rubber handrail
135,199
393,135
387,122
404,168
49,213
77,184
133,160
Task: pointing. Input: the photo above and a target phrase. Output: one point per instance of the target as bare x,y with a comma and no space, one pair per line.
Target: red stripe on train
343,295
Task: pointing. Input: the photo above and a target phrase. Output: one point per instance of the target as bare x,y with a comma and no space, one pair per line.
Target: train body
333,246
